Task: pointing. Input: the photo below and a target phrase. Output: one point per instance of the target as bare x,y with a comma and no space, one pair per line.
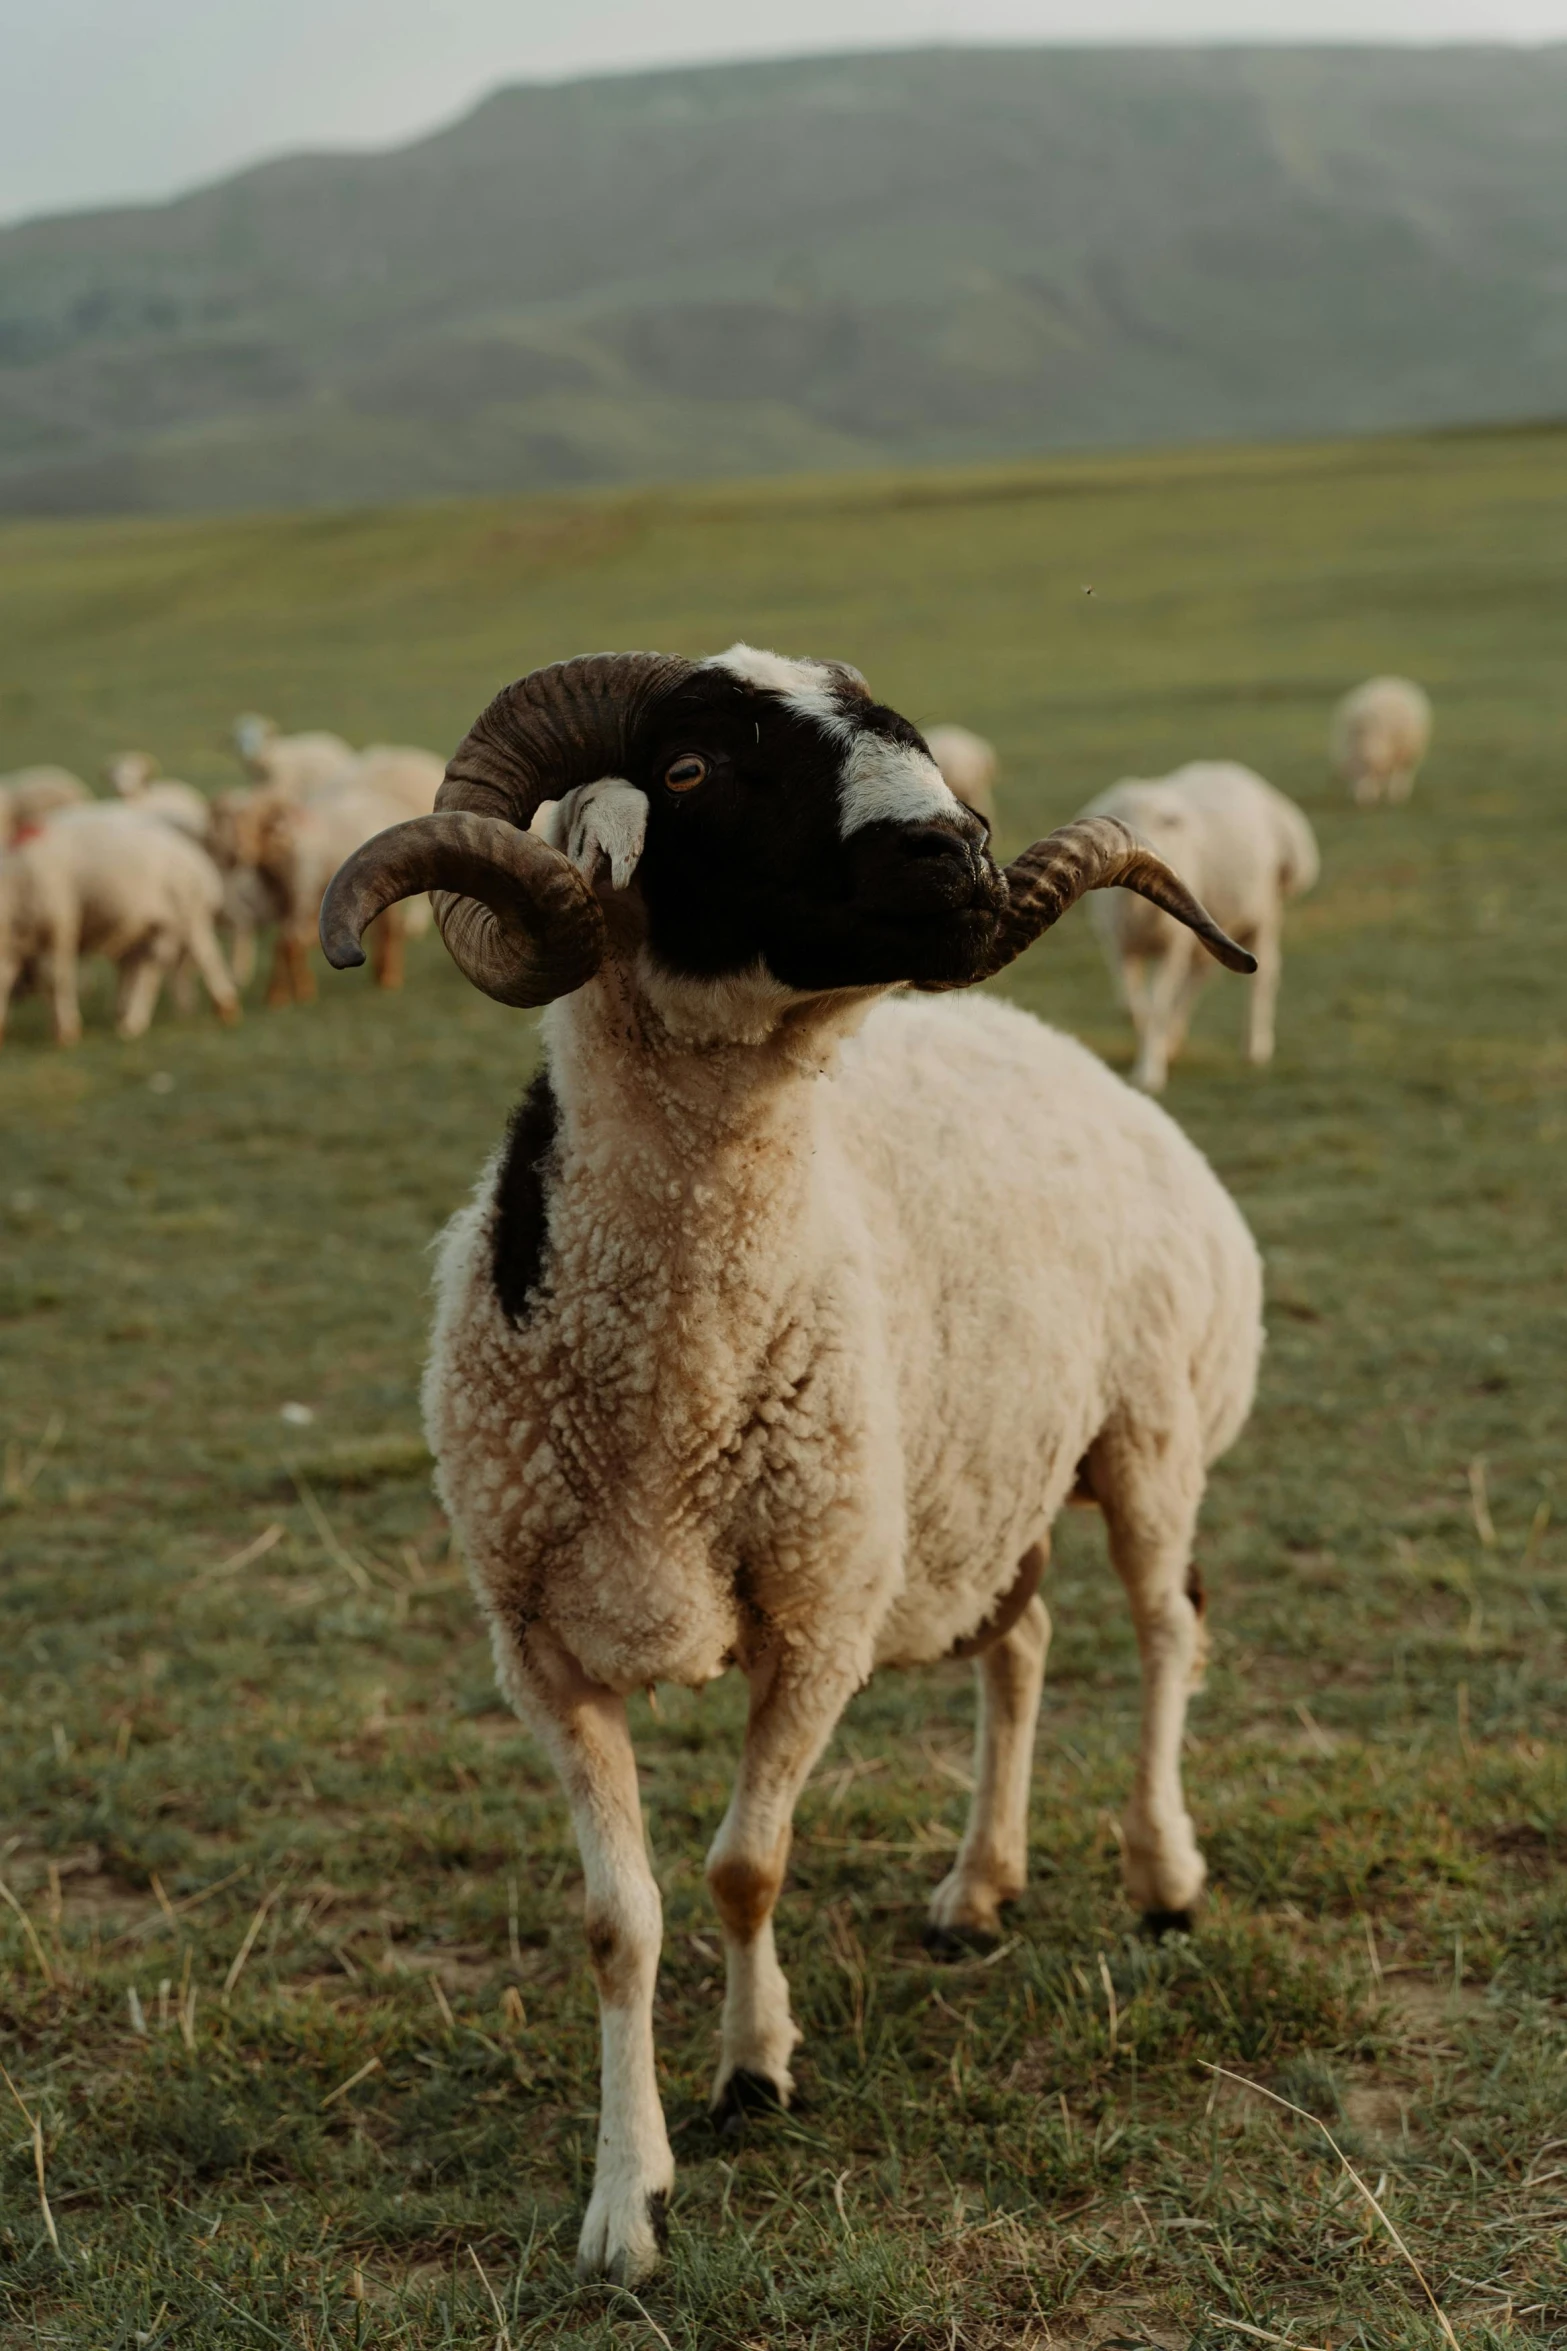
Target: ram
1244,849
792,1310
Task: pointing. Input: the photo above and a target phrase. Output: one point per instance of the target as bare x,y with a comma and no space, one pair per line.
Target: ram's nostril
933,840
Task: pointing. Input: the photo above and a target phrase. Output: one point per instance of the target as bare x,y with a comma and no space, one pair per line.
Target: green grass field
294,1982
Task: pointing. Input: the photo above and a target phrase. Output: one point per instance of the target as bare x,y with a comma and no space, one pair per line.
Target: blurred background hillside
753,268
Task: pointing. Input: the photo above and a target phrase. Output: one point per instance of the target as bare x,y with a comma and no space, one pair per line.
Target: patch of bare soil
1376,2110
1528,1849
1427,2014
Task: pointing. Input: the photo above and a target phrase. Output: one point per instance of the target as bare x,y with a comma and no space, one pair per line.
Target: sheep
300,765
968,765
1380,734
1244,849
278,853
788,1315
399,772
30,794
103,880
134,776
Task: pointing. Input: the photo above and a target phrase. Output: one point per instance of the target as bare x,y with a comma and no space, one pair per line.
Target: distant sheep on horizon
1380,734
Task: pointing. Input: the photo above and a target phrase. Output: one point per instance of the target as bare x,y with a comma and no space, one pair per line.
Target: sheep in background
400,773
277,855
1243,849
101,880
787,1317
30,794
134,776
1380,734
968,766
279,844
251,904
300,765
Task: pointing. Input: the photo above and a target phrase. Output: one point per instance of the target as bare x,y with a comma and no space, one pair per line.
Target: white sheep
400,773
29,795
969,767
1243,849
300,765
102,880
1380,734
788,1317
134,776
278,853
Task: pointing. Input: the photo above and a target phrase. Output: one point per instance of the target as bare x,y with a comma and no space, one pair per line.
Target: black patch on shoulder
522,1199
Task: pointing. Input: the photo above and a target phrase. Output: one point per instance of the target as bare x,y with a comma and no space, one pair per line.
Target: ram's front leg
796,1700
583,1726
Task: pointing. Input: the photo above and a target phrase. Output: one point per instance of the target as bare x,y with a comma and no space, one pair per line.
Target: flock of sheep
150,877
805,1289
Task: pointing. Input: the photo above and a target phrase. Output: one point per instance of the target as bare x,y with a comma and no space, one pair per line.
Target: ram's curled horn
1095,853
517,917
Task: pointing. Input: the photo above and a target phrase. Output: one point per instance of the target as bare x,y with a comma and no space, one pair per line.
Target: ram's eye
686,772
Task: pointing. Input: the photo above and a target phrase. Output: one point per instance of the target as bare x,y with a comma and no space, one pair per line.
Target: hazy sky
107,100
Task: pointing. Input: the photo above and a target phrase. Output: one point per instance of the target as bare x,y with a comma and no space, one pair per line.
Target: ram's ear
597,825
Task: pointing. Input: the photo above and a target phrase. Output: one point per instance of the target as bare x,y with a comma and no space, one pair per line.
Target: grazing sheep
134,776
1380,734
787,1317
101,880
278,853
400,773
300,765
29,794
1243,849
968,765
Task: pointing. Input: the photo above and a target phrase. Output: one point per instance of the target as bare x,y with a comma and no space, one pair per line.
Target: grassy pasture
294,1988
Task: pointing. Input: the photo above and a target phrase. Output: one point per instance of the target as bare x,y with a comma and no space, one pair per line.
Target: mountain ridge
934,254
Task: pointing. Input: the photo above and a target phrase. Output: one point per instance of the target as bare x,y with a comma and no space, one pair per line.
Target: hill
820,263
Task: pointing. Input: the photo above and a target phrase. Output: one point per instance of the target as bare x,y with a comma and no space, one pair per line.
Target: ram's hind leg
1148,1481
795,1702
992,1861
584,1731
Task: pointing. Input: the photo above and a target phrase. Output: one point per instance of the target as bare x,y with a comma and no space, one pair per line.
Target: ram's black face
808,830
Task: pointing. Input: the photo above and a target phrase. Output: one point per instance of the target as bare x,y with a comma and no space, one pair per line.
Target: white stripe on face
891,783
804,685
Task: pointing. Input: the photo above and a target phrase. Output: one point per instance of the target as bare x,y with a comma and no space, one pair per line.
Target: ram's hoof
744,2094
1159,1923
623,2236
949,1943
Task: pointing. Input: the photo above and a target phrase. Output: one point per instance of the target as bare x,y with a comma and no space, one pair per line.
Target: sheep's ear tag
597,825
